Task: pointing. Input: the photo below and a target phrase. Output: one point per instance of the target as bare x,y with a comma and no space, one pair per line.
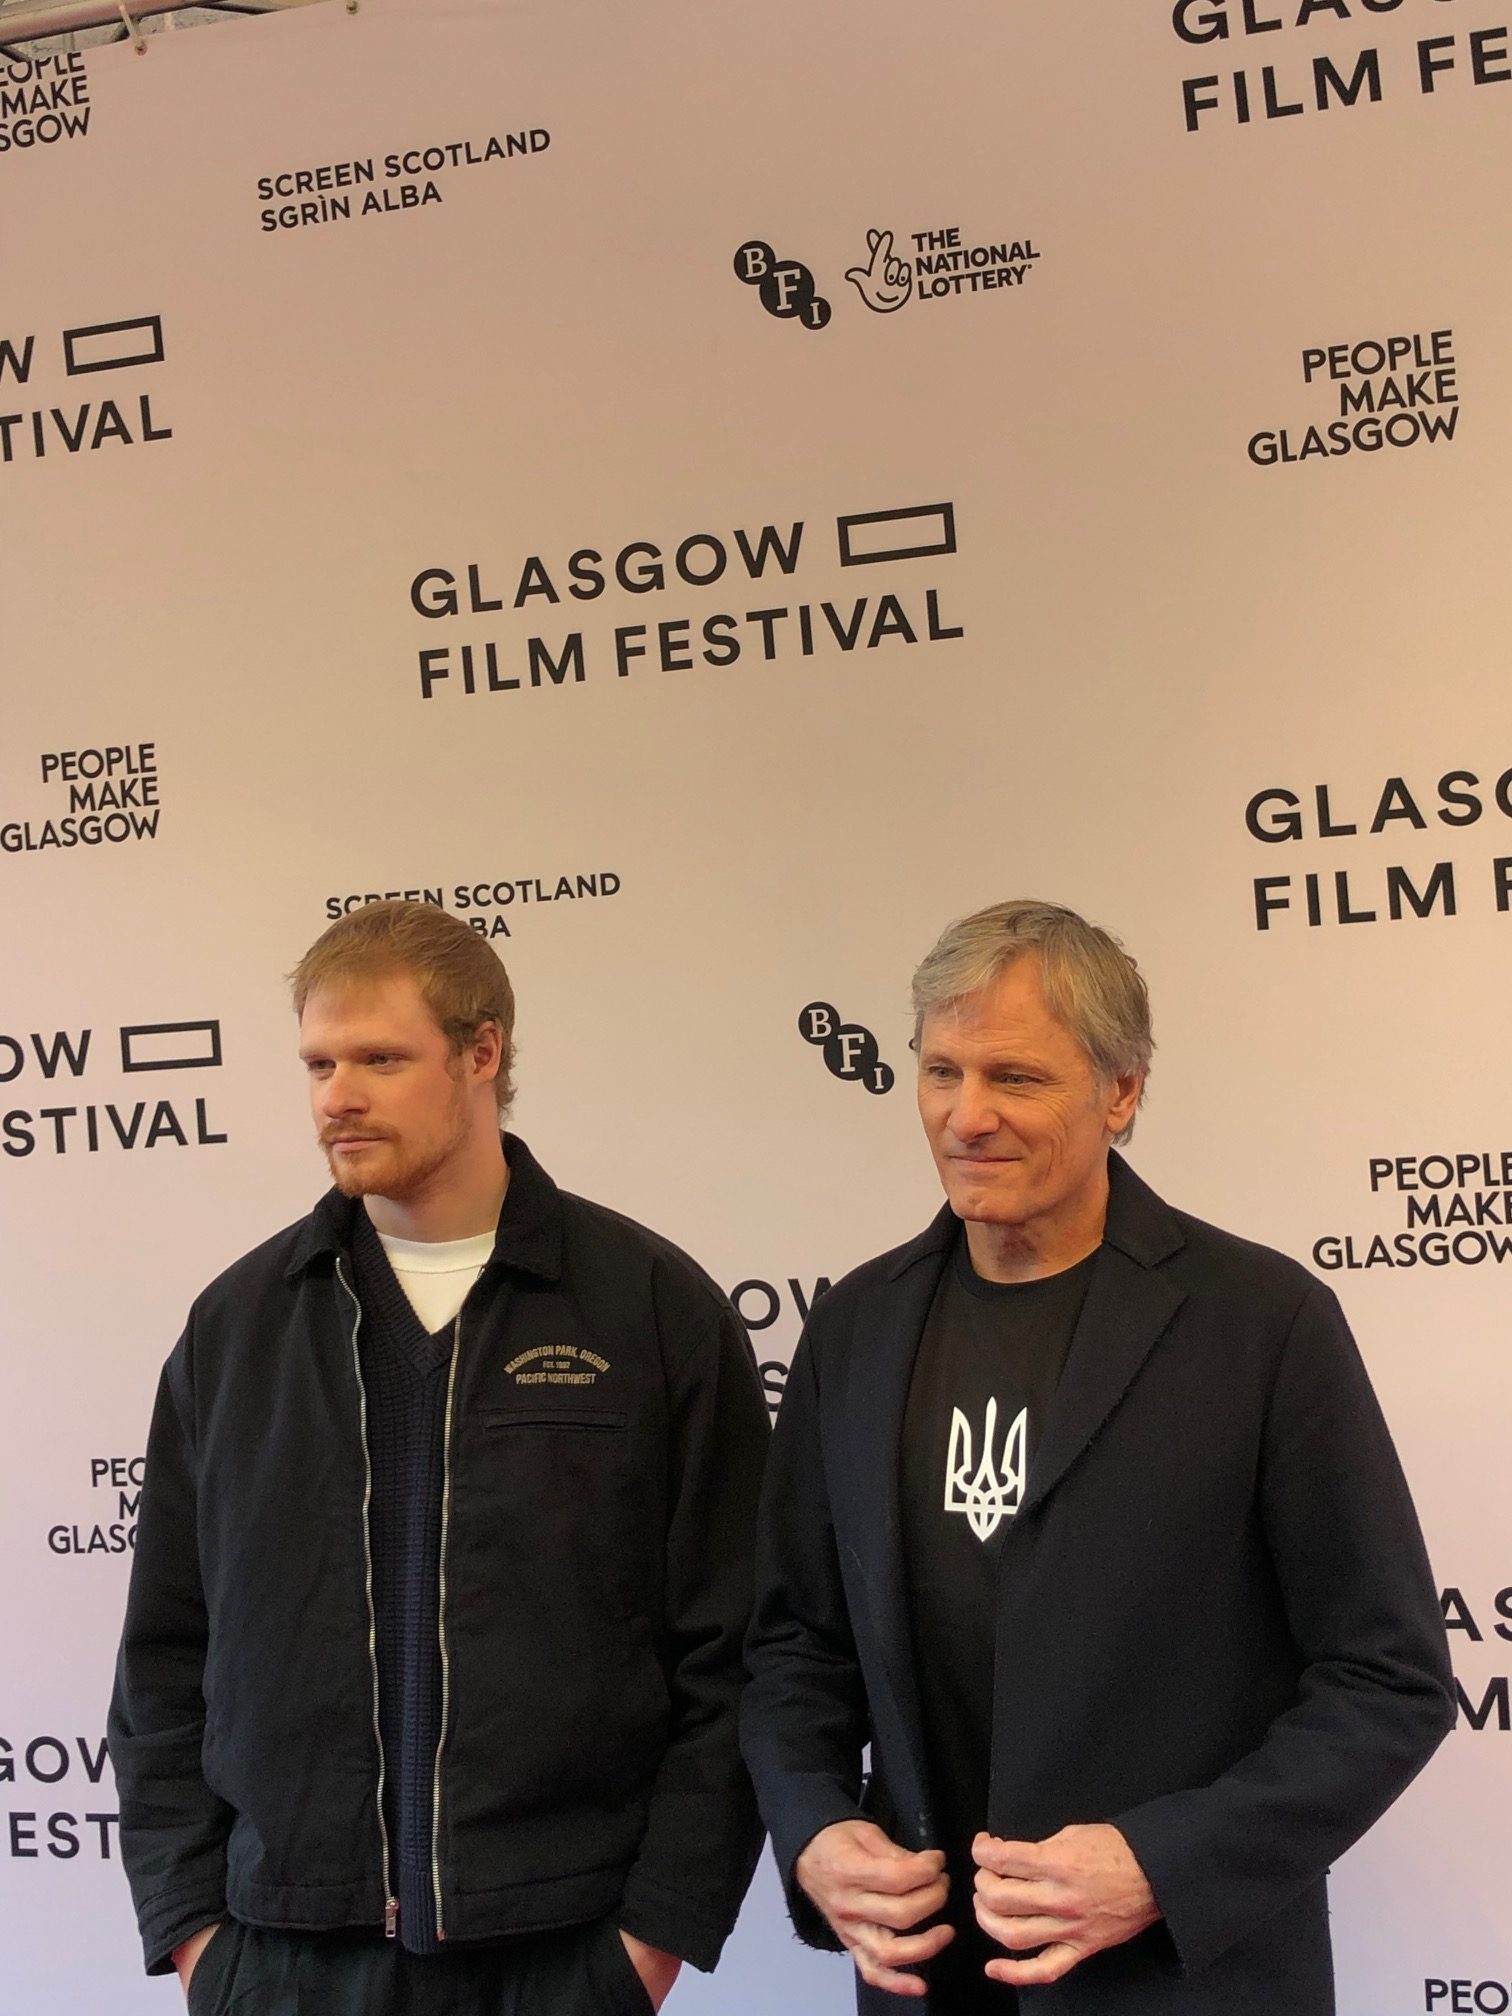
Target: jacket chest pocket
551,1496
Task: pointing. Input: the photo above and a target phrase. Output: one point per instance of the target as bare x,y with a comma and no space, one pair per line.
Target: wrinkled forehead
1008,1014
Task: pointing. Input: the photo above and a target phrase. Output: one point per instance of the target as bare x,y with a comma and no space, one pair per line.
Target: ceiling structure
33,28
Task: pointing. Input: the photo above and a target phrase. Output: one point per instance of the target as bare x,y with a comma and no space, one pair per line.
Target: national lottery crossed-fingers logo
885,282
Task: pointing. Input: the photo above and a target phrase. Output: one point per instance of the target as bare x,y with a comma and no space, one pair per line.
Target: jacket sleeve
804,1721
173,1827
1375,1697
702,1839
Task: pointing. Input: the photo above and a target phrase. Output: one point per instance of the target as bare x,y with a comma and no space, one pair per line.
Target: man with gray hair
1084,1515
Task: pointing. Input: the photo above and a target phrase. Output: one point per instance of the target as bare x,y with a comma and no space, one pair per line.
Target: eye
318,1067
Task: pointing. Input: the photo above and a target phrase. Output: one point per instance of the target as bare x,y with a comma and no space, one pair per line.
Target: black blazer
1216,1625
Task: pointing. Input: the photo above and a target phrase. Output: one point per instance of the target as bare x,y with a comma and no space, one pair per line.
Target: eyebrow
389,1045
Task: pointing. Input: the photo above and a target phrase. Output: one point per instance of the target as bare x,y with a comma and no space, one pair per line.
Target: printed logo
850,1051
112,795
120,1478
1364,889
1306,81
556,1365
939,265
125,419
78,1762
1487,1620
483,904
1388,392
380,185
43,99
993,1491
119,1123
762,1304
610,578
1456,1210
785,286
1462,1994
884,282
916,532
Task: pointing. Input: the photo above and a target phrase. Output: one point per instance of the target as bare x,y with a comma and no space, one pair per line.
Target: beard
393,1166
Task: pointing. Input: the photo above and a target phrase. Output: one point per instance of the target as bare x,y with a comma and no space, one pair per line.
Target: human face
387,1095
1019,1122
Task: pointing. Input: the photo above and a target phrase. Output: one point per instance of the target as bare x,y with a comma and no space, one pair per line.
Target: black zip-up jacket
605,1437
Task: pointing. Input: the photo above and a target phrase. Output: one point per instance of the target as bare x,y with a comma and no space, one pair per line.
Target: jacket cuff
1163,1857
174,1916
673,1922
792,1833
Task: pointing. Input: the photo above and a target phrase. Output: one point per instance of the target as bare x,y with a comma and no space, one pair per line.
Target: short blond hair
1092,985
460,976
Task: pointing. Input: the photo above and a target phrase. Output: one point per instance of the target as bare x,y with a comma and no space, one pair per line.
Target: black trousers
248,1972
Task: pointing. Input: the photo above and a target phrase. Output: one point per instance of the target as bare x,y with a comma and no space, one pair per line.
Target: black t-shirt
988,1363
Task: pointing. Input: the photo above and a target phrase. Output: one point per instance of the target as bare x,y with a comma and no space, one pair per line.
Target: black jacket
607,1432
1216,1625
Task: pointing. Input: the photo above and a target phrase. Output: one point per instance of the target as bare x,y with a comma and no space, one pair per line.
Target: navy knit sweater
405,1372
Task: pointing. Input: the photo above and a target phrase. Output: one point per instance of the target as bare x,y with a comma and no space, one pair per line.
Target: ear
1123,1101
486,1052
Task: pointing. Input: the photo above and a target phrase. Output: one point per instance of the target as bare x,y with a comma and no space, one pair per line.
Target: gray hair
1092,985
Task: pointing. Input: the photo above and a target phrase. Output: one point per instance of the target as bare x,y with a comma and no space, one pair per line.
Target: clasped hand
872,1894
1070,1896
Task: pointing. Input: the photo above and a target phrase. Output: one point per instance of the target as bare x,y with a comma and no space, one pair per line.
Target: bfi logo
785,286
849,1050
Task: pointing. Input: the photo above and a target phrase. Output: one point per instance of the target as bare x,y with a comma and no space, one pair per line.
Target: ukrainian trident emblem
989,1493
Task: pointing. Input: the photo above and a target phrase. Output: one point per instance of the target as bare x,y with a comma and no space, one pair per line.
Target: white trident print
987,1496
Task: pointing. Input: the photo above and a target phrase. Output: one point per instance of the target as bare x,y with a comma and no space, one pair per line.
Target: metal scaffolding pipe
42,19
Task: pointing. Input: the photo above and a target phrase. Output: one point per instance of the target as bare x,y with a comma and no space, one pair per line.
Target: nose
341,1093
972,1117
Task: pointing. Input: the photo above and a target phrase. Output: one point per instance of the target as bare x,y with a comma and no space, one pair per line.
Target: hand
1072,1895
886,283
872,1892
187,1956
656,1969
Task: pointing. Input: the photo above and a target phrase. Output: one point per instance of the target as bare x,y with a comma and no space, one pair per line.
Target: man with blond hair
426,1698
1083,1513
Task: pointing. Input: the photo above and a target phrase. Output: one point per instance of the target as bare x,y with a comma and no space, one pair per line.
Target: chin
980,1200
357,1180
977,1208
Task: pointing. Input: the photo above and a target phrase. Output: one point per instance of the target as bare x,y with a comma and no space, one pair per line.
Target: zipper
446,1501
390,1901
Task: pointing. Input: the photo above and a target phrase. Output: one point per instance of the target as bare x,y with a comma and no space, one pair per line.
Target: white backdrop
1130,593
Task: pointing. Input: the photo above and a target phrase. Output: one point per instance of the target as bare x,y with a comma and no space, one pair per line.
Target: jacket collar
528,1241
1128,1308
1140,1224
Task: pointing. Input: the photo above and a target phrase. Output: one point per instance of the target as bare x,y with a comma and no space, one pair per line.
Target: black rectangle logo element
106,346
863,537
142,1048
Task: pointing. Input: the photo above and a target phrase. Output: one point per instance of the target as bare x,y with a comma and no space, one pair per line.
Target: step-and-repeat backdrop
707,496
